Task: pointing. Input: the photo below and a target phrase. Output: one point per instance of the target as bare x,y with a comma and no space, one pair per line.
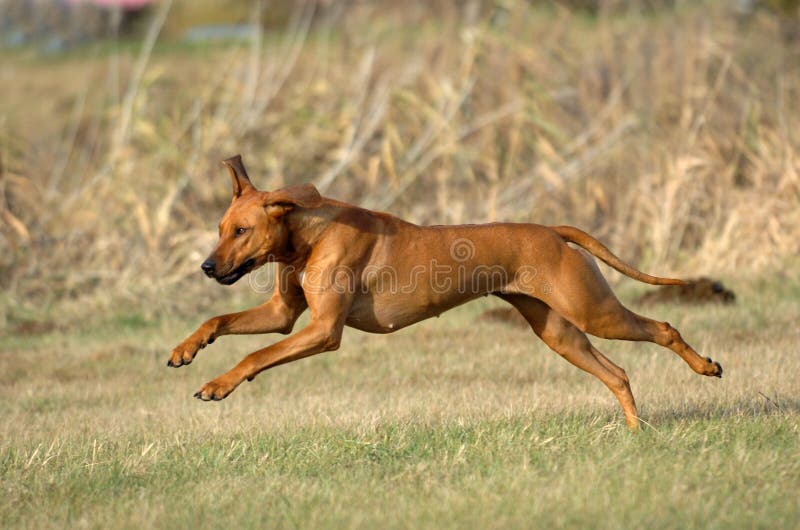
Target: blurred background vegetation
667,128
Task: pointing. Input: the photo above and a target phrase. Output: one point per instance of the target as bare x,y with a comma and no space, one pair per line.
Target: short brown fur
332,258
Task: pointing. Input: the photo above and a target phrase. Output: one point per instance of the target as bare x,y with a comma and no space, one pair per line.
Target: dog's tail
579,237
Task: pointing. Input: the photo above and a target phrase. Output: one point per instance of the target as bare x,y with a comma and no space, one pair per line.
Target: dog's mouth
238,272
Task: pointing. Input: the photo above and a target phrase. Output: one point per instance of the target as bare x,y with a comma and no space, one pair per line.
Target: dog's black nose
208,267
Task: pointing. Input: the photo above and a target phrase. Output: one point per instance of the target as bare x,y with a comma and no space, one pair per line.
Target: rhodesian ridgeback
374,272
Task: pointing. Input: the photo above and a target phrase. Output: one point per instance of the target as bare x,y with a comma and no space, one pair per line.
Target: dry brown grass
671,136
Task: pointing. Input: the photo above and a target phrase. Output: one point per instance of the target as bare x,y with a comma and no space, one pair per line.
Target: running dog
372,271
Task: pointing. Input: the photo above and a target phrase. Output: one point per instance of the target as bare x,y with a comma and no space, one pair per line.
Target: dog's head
253,230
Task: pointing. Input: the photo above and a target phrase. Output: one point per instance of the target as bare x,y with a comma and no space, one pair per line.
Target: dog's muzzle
208,267
235,274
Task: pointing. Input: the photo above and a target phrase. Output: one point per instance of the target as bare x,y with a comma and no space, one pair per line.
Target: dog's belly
385,313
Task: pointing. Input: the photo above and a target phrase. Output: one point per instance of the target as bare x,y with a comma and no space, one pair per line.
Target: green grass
449,424
518,471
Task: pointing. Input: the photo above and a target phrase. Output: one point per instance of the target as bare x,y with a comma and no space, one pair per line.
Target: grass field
448,424
669,130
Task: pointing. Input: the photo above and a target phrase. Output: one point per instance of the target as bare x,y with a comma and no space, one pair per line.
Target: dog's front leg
277,315
329,310
317,337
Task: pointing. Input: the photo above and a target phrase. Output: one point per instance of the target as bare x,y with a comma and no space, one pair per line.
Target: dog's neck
306,225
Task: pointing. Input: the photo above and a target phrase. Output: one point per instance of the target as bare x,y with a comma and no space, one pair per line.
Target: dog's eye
241,230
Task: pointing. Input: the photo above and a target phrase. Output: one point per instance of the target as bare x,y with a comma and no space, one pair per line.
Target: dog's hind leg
581,294
627,325
572,344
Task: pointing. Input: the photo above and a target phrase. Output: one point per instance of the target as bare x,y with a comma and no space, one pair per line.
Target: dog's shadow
759,405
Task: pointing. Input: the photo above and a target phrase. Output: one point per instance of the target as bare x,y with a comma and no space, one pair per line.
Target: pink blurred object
124,4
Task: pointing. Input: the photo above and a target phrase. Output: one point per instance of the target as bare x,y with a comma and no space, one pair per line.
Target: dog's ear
302,195
241,182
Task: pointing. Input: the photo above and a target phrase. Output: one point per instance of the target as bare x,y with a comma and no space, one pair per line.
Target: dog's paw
714,368
183,354
186,351
215,390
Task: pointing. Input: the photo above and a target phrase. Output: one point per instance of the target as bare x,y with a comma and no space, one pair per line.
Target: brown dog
378,273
